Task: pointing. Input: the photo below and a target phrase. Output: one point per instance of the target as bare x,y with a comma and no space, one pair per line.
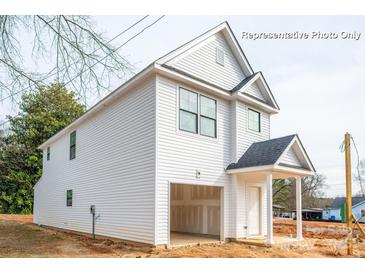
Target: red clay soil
312,229
20,238
19,218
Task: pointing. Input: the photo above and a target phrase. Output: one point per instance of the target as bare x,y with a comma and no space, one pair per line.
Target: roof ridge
291,135
244,81
191,41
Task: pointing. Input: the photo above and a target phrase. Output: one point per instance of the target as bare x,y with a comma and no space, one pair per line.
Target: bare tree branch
70,46
312,195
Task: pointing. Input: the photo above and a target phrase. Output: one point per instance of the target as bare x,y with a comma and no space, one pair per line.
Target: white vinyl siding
180,154
246,137
254,90
114,170
290,158
200,61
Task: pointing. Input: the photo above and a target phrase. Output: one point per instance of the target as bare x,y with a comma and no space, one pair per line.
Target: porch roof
270,156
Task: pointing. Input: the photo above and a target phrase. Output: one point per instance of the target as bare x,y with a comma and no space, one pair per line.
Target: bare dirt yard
20,238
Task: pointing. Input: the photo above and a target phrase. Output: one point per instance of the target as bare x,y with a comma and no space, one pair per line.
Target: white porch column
234,205
270,233
298,188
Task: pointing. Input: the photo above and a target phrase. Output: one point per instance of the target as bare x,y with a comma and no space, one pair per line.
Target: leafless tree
75,52
360,177
312,191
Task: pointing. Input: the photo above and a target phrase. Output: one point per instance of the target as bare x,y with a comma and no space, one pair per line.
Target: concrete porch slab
180,239
261,241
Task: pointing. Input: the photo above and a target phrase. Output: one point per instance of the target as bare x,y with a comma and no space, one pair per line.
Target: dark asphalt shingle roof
263,153
341,200
243,82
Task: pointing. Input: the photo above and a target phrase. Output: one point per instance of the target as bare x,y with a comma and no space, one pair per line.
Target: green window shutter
48,153
73,145
69,197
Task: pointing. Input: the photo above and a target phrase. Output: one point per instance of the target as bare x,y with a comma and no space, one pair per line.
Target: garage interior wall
195,209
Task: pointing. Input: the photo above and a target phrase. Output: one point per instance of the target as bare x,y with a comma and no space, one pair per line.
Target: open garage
195,214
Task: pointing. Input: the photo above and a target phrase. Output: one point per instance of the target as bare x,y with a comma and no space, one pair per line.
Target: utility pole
348,192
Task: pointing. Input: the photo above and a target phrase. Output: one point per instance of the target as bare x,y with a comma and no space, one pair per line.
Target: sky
318,83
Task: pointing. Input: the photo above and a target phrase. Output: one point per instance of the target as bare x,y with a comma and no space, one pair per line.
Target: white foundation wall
114,170
180,154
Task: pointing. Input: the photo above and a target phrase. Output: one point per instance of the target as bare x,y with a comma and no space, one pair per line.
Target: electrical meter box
92,209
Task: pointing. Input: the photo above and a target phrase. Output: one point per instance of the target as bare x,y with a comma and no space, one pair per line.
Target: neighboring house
310,214
279,211
337,209
184,146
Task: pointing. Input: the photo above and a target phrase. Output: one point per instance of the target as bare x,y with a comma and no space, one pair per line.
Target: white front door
253,207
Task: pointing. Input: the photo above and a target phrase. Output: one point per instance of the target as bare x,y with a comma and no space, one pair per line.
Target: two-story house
182,147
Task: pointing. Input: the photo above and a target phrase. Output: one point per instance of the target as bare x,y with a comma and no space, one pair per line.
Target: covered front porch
252,188
264,210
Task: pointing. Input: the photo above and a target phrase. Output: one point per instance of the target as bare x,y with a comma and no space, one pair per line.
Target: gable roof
244,82
171,60
156,67
231,39
257,77
263,153
269,153
341,200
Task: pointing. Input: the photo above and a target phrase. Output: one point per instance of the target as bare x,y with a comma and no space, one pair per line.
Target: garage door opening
195,214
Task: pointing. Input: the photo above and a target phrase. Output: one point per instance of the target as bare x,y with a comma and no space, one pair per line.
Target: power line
358,166
359,177
98,61
130,39
53,74
115,37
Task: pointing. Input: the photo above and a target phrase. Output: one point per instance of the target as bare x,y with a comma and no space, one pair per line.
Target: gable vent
219,57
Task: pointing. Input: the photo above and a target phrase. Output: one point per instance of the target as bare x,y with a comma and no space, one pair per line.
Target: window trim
199,94
67,198
48,153
188,111
209,118
72,146
248,119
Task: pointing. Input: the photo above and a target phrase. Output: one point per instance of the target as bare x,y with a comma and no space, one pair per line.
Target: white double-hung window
188,111
195,119
208,117
254,120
